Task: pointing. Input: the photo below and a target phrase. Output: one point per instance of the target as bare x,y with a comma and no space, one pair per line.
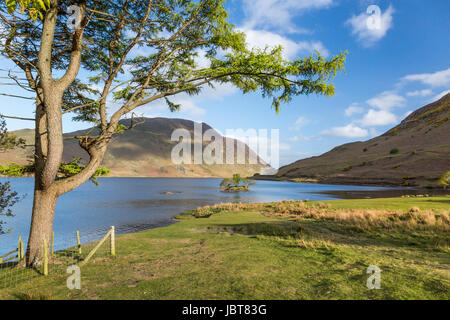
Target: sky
396,64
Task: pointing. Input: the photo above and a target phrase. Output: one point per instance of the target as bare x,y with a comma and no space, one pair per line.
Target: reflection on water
135,204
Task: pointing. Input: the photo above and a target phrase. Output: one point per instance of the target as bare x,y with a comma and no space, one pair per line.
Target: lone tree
237,183
131,53
444,181
8,197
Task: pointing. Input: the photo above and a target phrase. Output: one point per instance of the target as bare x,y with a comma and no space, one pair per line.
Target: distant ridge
144,151
414,153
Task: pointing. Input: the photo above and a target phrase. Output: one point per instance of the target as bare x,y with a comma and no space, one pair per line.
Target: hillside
414,153
144,151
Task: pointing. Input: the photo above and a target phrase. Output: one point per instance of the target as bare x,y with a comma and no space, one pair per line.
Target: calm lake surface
135,204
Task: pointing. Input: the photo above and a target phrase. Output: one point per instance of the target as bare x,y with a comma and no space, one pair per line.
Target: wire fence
59,253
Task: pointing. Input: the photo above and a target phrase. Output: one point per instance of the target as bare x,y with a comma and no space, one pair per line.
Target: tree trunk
49,135
41,225
44,192
48,157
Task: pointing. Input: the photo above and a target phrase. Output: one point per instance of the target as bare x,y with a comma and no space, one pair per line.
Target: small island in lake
236,184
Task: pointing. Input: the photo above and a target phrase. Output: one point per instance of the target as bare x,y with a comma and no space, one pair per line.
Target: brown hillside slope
423,143
144,151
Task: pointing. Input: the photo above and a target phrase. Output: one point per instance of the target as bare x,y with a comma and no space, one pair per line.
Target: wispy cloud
440,95
291,49
407,113
354,108
278,14
436,79
378,118
420,93
188,106
387,100
349,131
299,123
369,34
380,114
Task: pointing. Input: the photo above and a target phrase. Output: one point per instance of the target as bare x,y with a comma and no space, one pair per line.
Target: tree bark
41,226
47,158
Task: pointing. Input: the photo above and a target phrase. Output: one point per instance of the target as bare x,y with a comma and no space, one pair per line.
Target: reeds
413,219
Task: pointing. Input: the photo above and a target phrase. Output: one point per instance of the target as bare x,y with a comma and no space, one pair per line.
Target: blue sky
391,70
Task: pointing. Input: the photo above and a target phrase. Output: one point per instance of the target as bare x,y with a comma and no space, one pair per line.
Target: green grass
250,255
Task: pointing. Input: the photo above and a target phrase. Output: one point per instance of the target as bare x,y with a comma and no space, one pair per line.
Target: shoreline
340,182
314,181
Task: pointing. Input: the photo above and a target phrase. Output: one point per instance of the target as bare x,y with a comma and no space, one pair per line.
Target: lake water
135,204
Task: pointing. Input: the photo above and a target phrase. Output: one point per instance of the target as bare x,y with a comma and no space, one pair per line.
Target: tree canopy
236,183
137,52
444,181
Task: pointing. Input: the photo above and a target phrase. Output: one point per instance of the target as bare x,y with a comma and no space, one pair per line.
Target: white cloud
436,79
368,34
386,101
420,93
190,107
3,36
187,106
218,92
440,95
407,113
279,13
299,123
378,118
354,108
290,157
284,146
349,131
373,132
291,49
201,61
311,46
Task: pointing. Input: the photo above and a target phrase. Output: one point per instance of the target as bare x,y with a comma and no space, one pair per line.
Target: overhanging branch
14,96
16,118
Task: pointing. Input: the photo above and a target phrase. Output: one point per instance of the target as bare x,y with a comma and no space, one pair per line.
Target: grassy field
288,250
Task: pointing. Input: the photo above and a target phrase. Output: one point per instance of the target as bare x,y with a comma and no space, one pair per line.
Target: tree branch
17,118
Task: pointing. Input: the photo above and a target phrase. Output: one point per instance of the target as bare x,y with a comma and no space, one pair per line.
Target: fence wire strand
63,251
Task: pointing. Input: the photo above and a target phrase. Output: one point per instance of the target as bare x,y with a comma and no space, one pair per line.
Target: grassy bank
288,250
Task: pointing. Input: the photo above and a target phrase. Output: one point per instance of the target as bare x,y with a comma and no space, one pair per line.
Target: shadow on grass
276,228
31,296
337,233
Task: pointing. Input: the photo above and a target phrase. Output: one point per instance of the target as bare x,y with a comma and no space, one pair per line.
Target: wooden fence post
20,249
53,242
93,251
22,256
45,258
113,241
78,241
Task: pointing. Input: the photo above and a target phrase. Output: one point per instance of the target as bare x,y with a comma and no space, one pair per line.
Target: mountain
145,151
414,153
